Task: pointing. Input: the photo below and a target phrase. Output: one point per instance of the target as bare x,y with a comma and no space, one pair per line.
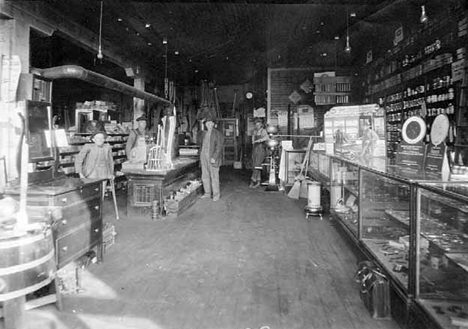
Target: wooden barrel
27,263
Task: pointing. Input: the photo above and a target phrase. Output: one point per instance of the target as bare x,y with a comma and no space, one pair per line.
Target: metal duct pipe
78,72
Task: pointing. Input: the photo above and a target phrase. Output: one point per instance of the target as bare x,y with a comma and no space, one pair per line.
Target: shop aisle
250,260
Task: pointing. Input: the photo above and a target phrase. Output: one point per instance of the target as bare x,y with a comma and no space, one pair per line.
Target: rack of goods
420,76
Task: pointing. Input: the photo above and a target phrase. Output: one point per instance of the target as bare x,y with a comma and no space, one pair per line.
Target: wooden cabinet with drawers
79,229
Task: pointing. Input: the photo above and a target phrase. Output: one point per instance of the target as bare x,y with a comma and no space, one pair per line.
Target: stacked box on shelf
332,90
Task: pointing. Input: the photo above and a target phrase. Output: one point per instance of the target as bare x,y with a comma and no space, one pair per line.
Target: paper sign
61,139
458,70
398,35
411,155
286,145
307,120
282,119
11,70
295,97
259,113
434,158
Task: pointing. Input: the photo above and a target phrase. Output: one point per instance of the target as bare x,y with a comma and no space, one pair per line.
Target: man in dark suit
212,141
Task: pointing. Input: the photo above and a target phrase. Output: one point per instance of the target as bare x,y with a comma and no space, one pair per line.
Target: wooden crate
176,207
108,236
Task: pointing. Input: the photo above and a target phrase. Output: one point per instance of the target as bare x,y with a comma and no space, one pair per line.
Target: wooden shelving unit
67,154
332,90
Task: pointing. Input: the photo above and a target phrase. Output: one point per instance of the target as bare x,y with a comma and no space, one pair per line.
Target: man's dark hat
258,120
98,132
210,118
142,118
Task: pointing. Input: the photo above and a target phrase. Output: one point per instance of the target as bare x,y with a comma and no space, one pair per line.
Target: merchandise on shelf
76,142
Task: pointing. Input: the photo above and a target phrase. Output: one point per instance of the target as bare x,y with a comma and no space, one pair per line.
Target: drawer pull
96,230
96,189
64,222
96,207
64,200
65,248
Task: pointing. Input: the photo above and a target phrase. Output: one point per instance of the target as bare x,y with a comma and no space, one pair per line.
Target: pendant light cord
347,26
100,29
165,63
348,47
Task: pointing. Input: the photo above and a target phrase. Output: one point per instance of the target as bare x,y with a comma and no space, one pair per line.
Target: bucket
314,194
27,263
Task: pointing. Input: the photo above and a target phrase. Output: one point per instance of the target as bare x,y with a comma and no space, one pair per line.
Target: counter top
54,187
179,164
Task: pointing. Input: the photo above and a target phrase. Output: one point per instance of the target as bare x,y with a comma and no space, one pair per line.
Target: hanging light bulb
423,18
166,79
348,47
99,54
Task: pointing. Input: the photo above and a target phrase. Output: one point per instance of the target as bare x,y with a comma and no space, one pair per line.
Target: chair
109,185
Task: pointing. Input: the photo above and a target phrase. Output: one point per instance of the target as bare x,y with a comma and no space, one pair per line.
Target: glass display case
385,222
324,164
442,251
319,167
415,229
344,194
293,164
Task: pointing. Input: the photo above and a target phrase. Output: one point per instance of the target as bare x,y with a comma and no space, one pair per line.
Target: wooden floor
250,260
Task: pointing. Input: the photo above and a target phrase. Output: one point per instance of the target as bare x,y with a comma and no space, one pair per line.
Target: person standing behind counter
95,160
137,137
212,141
369,140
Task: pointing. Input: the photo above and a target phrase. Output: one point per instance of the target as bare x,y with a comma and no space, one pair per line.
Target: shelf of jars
426,95
426,48
427,39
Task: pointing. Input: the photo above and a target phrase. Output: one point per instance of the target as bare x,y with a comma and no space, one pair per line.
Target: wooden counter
144,187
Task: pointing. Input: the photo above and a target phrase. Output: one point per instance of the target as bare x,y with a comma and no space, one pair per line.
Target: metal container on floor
27,263
314,207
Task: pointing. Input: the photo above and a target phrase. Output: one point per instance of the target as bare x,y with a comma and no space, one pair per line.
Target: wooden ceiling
231,42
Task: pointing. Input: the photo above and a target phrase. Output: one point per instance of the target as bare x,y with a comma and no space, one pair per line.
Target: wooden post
138,103
15,45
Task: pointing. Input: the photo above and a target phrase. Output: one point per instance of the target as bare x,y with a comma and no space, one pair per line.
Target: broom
303,190
295,191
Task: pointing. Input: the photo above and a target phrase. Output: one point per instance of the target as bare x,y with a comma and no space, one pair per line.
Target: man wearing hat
137,137
259,152
212,141
95,159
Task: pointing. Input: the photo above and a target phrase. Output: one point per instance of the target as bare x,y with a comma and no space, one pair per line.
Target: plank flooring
250,260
